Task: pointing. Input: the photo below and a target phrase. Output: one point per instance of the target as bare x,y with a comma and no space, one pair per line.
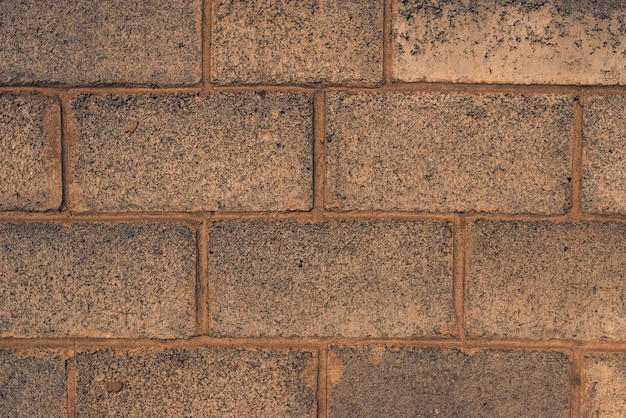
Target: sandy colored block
376,381
604,155
503,41
32,384
305,42
80,42
225,151
449,152
220,382
542,280
604,393
94,280
353,279
30,152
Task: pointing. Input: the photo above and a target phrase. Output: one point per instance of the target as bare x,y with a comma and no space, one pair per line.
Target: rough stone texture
449,152
224,382
30,152
227,151
543,280
32,384
285,42
605,386
604,155
95,280
504,41
429,382
379,278
94,42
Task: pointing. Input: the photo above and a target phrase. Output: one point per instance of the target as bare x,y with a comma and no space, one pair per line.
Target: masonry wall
331,208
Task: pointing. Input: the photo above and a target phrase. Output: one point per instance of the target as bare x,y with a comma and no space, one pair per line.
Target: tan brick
362,278
542,280
525,42
284,42
428,382
604,386
604,155
94,42
223,382
449,152
30,152
94,280
32,384
226,151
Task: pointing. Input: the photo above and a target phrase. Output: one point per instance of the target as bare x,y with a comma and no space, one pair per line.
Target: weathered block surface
604,155
544,280
449,152
94,280
429,382
605,386
30,152
224,382
283,42
378,278
94,42
227,151
32,384
503,41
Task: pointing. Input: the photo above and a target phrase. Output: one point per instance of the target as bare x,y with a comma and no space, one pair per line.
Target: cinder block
604,378
438,152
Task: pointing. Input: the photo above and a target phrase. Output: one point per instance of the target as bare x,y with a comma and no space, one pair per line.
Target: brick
354,279
226,151
310,42
94,280
604,393
503,41
221,382
32,384
85,42
449,152
604,155
30,152
402,382
542,280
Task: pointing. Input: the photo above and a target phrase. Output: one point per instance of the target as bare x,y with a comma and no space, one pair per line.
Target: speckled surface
604,379
440,152
543,280
95,280
226,151
32,384
505,41
100,42
431,382
223,382
356,279
604,155
310,42
30,152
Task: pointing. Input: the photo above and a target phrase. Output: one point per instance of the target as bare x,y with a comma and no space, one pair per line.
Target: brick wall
331,208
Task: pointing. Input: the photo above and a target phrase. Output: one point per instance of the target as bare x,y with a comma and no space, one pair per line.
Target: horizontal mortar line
549,218
105,87
167,217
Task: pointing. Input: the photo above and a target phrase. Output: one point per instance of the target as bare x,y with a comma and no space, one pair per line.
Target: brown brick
284,42
32,384
543,280
604,155
95,280
30,152
605,386
224,382
503,41
429,382
227,151
94,42
362,278
449,152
